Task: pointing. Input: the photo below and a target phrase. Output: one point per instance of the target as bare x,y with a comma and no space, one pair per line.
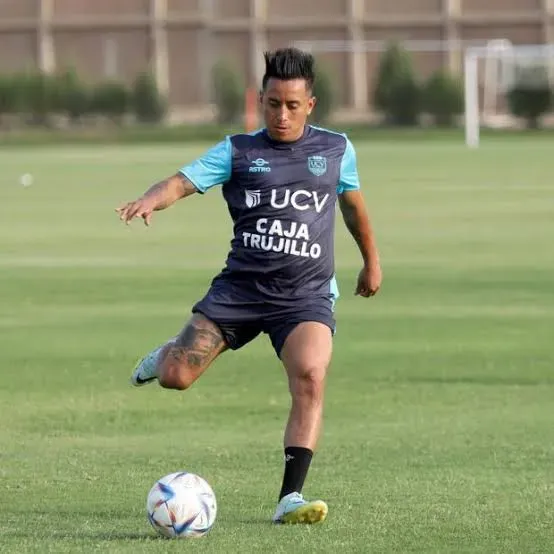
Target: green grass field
439,428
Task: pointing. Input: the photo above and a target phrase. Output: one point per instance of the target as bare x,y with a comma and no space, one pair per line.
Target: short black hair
289,63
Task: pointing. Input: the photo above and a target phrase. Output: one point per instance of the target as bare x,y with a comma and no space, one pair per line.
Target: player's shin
300,442
301,435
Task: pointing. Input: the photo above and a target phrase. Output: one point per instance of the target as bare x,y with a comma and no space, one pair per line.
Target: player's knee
172,378
308,383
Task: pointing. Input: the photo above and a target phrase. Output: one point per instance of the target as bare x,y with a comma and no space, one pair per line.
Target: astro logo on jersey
252,198
259,166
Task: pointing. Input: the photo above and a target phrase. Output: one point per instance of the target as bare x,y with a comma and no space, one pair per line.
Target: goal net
491,72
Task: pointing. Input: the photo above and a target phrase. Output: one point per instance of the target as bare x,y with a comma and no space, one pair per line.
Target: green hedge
39,99
443,98
397,92
34,100
229,92
532,95
325,93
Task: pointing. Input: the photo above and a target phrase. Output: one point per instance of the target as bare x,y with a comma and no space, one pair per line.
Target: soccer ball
181,505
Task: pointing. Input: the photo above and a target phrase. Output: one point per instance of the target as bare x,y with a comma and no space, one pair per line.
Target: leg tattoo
186,358
198,343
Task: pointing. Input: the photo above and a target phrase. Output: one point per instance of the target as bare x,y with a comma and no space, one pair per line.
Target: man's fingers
128,215
123,211
362,290
373,291
147,216
128,211
135,211
123,214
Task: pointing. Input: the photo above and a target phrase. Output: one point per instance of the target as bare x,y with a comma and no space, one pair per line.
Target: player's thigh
195,347
307,351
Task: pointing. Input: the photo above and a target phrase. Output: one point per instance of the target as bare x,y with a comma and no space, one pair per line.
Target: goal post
497,56
471,95
497,68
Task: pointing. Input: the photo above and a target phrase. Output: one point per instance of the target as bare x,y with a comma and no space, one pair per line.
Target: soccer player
281,185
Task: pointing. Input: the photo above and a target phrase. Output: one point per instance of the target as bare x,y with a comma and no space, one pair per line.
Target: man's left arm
356,219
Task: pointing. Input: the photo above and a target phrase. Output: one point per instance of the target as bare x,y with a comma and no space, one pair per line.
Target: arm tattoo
196,345
349,216
357,223
169,190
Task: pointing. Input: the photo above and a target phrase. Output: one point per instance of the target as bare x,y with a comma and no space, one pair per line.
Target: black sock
297,463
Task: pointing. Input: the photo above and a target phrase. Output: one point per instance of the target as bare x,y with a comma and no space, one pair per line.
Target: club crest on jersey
317,165
252,198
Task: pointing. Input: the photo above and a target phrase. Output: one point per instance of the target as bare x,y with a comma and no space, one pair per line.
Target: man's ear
311,104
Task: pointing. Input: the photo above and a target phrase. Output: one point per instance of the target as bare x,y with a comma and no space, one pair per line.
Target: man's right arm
158,197
211,169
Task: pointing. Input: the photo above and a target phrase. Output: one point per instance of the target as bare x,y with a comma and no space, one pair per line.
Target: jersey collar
286,145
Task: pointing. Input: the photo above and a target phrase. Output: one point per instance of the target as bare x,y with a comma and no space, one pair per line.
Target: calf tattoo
199,342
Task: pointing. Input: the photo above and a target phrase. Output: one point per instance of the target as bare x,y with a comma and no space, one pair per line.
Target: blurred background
199,61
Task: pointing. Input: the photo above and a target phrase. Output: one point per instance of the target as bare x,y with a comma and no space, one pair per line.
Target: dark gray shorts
242,314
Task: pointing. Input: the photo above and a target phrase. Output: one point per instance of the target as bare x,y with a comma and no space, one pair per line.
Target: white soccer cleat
294,509
146,370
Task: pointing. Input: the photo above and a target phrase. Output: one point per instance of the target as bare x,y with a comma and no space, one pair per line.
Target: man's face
286,107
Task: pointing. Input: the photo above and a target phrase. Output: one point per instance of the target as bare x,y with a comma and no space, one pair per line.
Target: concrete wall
181,39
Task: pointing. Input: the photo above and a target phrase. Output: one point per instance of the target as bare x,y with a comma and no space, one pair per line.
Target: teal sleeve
349,178
212,168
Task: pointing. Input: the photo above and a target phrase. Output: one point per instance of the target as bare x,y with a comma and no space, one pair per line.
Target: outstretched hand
143,207
369,280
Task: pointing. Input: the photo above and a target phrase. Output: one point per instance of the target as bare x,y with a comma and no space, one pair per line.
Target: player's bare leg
178,363
306,356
